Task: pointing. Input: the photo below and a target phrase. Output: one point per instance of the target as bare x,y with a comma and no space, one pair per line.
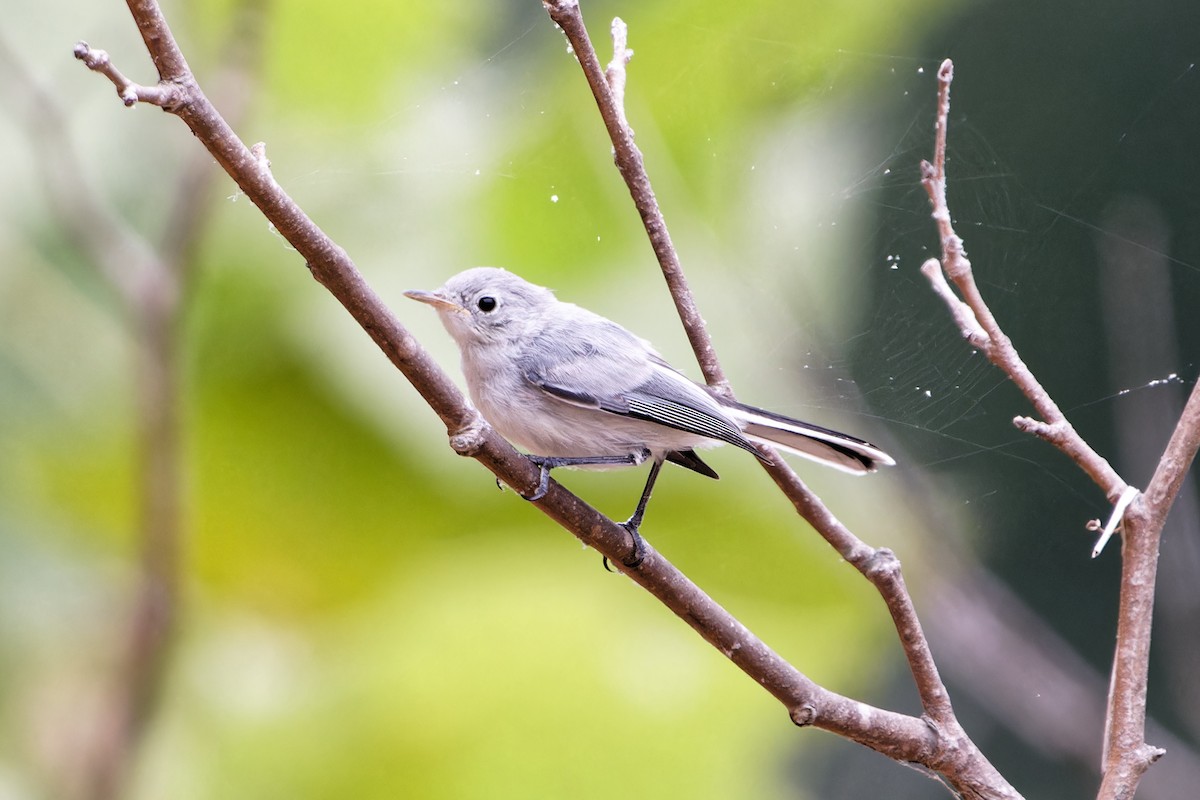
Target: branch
143,282
985,333
609,90
899,736
150,282
879,566
164,94
1126,755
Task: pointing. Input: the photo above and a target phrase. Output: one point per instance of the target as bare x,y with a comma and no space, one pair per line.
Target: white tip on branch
1118,513
615,74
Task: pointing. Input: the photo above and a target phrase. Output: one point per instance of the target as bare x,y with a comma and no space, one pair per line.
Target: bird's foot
639,547
543,485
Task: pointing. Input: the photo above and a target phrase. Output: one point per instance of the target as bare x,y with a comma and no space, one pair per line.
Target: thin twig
999,349
164,95
628,157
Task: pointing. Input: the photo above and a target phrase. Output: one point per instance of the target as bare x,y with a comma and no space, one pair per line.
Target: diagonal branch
1177,458
899,736
628,157
879,566
933,741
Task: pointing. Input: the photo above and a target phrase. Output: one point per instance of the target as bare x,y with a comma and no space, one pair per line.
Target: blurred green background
362,614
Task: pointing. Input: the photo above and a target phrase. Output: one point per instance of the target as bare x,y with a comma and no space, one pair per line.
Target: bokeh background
360,613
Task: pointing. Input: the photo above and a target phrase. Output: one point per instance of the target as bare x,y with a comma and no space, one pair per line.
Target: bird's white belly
547,426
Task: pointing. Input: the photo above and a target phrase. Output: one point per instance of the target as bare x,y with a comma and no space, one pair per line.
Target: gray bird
578,390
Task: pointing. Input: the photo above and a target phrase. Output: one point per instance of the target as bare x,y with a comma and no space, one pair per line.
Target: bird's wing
670,399
587,361
607,368
651,403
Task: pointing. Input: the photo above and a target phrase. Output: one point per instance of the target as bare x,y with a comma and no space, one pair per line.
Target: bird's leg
547,463
633,523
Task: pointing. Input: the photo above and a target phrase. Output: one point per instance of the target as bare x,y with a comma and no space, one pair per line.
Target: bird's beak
435,299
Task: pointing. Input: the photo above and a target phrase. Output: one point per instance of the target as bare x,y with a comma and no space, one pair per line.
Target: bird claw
639,545
543,483
631,525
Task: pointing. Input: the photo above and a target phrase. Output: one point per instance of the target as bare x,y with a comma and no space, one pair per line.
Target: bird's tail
834,449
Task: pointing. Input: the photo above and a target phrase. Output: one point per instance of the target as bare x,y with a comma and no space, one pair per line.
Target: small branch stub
469,439
882,565
169,97
1035,427
803,716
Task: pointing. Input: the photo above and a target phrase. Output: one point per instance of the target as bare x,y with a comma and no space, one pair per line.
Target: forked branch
975,318
1126,755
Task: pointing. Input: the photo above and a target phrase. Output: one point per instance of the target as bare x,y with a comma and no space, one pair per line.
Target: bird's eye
487,303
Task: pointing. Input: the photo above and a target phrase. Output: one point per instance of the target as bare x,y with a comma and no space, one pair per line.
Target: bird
575,389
